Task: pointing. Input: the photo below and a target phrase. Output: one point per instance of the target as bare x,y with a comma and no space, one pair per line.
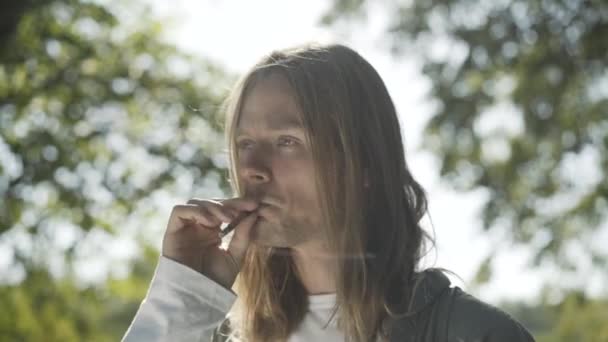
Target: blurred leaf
99,118
521,94
484,271
520,91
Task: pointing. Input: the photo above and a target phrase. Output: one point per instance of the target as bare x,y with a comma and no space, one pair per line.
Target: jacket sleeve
181,305
472,320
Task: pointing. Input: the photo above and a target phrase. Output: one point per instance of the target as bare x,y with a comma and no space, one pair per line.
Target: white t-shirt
314,328
183,305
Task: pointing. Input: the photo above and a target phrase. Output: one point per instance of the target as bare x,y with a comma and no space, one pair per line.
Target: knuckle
182,208
177,209
204,212
240,203
210,218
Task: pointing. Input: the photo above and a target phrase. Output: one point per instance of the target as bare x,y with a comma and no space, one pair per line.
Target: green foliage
99,117
521,95
43,308
580,319
96,117
575,318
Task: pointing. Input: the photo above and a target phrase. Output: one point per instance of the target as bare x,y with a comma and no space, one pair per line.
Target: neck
316,269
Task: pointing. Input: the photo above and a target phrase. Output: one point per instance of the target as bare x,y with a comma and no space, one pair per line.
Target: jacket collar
428,286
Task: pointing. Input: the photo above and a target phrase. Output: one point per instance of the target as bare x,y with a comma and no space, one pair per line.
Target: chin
266,234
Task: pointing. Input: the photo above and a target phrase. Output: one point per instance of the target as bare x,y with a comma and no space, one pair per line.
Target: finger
192,213
212,219
230,227
203,200
242,237
226,212
238,201
241,204
220,212
234,212
198,237
192,223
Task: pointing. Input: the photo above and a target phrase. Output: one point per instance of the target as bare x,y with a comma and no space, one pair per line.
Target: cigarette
230,227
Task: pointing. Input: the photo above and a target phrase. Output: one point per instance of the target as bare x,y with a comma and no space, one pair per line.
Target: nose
254,171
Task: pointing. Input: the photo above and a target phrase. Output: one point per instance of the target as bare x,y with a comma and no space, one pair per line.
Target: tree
96,117
521,95
575,318
99,119
578,319
44,308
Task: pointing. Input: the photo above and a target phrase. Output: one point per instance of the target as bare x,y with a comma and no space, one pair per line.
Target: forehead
270,104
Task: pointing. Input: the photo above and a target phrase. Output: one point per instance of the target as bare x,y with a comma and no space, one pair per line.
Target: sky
236,34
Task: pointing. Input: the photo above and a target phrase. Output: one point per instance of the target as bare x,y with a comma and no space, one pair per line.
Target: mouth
267,210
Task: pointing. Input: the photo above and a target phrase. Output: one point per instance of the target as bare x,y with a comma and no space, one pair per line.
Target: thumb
242,237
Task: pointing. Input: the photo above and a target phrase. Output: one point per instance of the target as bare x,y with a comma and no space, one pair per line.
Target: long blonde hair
370,202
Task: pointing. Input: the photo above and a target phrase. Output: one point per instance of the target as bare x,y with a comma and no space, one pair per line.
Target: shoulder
470,319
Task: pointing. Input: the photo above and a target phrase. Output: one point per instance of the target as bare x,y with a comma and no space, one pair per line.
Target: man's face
275,165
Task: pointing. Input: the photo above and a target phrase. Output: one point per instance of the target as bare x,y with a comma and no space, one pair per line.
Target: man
328,239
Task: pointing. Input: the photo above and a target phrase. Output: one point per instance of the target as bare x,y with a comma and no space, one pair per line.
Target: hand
192,237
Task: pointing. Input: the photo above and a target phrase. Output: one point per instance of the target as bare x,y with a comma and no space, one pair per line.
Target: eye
244,144
287,141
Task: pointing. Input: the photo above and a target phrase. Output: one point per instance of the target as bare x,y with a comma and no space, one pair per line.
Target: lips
267,210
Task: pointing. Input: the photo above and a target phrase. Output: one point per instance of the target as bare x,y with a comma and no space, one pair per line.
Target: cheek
298,184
